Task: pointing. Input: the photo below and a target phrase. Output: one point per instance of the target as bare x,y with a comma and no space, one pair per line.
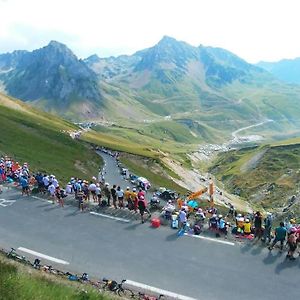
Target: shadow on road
52,208
247,247
286,264
133,226
257,250
74,213
270,258
172,237
43,205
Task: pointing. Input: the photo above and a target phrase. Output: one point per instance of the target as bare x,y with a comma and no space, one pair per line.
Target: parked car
133,178
143,183
168,195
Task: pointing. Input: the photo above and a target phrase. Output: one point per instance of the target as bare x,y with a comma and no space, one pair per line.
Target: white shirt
92,187
120,193
182,216
69,189
170,207
55,182
98,190
51,189
46,180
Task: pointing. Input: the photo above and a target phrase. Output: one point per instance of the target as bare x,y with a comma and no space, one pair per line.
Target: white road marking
158,291
35,197
110,217
5,203
210,239
59,261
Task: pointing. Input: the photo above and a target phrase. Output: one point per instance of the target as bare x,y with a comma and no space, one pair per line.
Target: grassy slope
18,282
271,183
158,177
36,137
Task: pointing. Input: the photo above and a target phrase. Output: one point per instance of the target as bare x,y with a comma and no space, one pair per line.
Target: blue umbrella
193,203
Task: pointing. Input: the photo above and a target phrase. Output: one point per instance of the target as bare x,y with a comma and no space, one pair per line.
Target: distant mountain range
287,70
51,75
197,87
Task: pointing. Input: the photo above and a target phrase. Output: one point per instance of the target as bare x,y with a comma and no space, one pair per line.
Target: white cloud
253,29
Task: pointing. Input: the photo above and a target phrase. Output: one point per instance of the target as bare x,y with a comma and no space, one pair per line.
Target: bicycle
118,288
15,256
49,269
143,296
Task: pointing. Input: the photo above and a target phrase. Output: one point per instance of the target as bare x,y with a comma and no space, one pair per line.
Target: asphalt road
112,172
197,268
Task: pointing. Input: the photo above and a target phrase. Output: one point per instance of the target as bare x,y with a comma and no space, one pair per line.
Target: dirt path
193,181
234,133
253,161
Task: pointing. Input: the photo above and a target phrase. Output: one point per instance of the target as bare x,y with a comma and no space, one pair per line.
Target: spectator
280,234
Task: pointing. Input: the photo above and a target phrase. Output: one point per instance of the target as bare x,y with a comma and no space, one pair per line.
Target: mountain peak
59,48
94,58
167,39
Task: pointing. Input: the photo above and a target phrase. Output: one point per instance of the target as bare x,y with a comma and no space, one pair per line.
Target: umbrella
193,204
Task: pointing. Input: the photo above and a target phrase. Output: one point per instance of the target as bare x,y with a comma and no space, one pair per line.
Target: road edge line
110,217
47,257
45,200
210,239
158,290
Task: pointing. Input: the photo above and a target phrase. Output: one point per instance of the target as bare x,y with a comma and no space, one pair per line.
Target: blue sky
253,29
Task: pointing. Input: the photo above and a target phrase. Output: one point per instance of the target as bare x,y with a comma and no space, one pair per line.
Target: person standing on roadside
142,205
128,198
113,192
292,243
120,196
182,217
107,193
80,196
92,190
280,234
258,225
98,194
24,185
51,189
141,193
59,196
135,199
268,227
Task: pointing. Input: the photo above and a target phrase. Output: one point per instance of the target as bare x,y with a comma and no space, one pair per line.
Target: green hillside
43,141
267,176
